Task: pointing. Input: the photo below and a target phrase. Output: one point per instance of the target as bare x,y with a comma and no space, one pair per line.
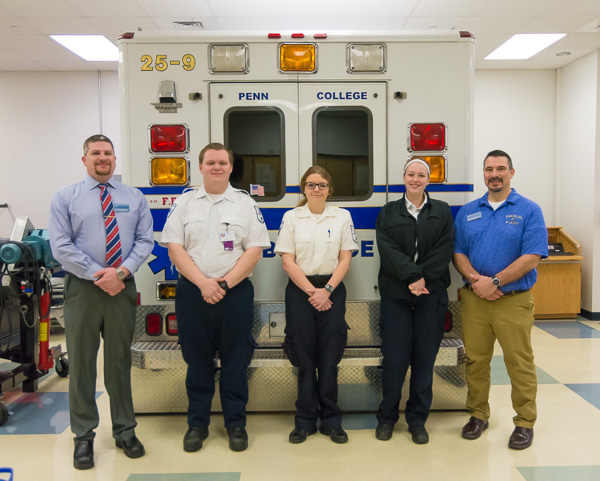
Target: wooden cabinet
557,292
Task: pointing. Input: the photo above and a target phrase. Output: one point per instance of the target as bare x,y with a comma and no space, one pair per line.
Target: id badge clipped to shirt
227,239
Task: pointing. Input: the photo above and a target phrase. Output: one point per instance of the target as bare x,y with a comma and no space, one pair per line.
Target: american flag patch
256,189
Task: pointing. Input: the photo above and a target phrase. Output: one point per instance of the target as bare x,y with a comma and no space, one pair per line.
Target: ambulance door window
343,145
255,135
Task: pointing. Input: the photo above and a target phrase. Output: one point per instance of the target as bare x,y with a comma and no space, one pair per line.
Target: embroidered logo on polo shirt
513,219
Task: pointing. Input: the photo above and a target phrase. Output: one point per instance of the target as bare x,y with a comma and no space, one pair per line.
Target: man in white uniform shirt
215,235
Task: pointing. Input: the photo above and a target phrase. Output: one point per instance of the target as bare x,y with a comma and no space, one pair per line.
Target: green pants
508,319
89,314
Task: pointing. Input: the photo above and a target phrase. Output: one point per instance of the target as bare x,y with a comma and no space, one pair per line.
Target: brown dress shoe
474,428
521,438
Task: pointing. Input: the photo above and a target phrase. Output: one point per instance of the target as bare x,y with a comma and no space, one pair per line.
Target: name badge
475,216
227,236
121,207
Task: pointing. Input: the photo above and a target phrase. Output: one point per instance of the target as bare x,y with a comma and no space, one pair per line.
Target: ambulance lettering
341,95
253,96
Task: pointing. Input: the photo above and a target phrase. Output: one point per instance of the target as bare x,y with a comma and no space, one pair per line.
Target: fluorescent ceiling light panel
524,46
93,48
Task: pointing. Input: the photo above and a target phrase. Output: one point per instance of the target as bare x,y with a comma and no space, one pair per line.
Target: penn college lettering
342,95
253,96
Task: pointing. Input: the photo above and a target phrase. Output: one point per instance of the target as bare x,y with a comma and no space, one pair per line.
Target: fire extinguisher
46,360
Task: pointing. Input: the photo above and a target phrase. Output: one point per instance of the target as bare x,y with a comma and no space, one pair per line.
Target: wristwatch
496,281
121,274
329,288
223,285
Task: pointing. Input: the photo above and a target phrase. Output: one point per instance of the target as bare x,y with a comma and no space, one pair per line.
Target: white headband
421,161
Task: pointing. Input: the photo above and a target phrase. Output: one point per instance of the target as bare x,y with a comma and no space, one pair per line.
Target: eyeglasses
313,186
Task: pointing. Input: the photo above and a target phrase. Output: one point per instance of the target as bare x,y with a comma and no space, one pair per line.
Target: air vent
188,25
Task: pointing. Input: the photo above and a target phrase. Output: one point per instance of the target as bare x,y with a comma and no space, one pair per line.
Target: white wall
45,118
515,111
578,175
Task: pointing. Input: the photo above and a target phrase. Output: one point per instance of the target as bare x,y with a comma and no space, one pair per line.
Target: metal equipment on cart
26,265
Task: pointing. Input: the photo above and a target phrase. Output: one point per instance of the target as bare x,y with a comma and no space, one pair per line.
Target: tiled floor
37,442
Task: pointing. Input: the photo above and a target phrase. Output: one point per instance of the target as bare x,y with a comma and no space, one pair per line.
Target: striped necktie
113,240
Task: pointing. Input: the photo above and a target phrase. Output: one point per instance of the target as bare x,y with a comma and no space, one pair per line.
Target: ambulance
359,104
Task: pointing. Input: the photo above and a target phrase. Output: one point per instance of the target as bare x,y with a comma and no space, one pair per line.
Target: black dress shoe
337,435
474,428
299,435
419,434
238,438
192,441
83,456
384,431
132,446
521,438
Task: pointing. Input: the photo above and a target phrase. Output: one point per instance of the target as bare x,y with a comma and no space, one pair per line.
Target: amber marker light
297,57
437,164
169,171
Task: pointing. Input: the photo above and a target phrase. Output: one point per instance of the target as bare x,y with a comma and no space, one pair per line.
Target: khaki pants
508,319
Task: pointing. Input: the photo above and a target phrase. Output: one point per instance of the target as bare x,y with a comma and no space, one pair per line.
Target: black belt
508,293
319,281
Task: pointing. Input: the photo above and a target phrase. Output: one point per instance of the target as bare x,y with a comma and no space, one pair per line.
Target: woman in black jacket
415,242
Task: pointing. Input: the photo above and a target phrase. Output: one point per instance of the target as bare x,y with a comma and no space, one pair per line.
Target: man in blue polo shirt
499,241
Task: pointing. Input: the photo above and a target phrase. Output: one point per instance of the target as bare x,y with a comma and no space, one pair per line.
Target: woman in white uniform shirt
316,242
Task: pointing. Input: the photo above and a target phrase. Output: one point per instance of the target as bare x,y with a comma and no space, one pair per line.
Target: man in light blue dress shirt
100,300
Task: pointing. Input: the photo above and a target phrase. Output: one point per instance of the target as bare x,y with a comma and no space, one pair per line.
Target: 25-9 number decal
162,63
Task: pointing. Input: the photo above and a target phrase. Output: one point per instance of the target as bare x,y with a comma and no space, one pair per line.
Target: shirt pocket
194,226
234,224
333,241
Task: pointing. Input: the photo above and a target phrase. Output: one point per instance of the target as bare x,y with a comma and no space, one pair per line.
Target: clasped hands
418,287
107,280
212,293
319,299
483,287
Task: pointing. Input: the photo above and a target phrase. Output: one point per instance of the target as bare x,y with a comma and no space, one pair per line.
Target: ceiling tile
25,66
175,8
62,26
556,24
17,26
342,23
445,8
266,24
508,8
440,23
53,8
494,25
251,9
108,8
564,8
117,26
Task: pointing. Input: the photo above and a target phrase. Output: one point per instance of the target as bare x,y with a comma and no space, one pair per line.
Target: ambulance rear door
342,127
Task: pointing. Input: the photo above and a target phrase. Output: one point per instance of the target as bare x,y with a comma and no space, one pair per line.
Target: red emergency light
168,138
154,324
172,325
427,137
